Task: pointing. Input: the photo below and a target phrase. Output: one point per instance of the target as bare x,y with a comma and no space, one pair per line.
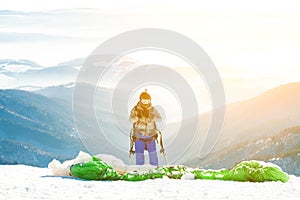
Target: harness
134,137
148,140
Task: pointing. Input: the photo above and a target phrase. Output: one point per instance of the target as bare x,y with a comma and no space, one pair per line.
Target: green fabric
253,171
141,176
94,170
212,174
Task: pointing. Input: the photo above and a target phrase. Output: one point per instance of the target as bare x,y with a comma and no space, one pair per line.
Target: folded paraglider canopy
253,171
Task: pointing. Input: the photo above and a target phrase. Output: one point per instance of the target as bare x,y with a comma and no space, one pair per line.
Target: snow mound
188,176
63,169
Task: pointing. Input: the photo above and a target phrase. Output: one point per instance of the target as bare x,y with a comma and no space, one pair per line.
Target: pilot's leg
139,152
152,153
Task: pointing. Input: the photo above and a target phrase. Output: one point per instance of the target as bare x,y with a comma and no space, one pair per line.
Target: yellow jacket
144,119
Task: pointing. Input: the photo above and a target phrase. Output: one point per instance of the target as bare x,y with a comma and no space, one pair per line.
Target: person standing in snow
144,133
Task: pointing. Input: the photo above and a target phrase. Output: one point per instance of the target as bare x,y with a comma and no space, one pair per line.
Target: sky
257,41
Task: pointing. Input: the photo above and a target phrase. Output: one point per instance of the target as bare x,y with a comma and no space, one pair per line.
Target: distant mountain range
265,127
35,129
26,74
59,92
264,115
9,66
282,149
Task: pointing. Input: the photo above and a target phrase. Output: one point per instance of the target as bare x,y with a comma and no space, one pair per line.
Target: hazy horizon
253,47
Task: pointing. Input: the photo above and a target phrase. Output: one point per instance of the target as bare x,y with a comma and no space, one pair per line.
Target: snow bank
63,169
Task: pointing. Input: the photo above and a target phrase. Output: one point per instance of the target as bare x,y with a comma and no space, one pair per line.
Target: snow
188,176
27,182
71,85
77,67
29,88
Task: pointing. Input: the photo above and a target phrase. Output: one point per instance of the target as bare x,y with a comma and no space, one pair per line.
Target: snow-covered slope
25,182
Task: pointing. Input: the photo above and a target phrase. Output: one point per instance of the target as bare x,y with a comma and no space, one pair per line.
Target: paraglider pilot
144,134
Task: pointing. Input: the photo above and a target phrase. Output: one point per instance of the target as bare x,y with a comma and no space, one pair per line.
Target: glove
131,152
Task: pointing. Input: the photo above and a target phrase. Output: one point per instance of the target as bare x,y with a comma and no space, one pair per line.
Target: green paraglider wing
257,171
222,174
94,170
253,171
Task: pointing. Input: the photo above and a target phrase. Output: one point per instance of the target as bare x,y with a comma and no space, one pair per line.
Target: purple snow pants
140,146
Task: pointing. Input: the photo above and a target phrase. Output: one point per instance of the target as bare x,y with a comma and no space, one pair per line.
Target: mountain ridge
43,125
278,106
282,149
